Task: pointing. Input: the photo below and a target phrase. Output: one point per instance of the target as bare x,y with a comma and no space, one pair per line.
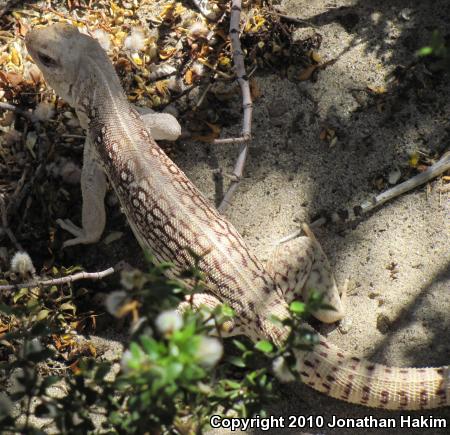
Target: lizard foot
81,237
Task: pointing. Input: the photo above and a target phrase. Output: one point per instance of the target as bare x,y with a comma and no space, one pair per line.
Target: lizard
174,221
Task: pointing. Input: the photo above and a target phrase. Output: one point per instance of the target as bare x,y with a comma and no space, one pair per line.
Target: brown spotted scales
168,214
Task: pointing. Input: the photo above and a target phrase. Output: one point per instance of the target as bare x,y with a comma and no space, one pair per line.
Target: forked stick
247,105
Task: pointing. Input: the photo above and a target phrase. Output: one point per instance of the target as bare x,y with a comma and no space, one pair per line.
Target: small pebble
345,325
383,323
394,176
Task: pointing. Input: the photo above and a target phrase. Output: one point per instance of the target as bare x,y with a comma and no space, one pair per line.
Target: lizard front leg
162,126
93,189
299,267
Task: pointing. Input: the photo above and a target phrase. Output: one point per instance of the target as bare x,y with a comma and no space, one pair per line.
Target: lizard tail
353,213
331,371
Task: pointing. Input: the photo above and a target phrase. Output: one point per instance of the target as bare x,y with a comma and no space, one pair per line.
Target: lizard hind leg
300,266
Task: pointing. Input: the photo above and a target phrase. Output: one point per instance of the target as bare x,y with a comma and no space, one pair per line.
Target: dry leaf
189,77
315,56
16,59
167,53
423,168
136,59
377,89
11,78
35,74
215,133
414,159
161,87
255,90
307,73
74,367
23,28
4,58
92,349
224,61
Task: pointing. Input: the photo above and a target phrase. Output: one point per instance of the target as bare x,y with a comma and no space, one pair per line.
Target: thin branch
241,75
94,276
24,113
433,171
202,97
247,105
4,224
294,20
237,173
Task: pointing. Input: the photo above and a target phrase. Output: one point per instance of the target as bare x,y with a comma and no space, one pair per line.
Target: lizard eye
47,60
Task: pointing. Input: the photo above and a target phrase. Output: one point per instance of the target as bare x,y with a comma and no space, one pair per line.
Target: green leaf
43,314
276,320
228,311
67,306
264,346
297,307
425,51
22,292
151,346
236,361
173,370
241,346
232,384
135,350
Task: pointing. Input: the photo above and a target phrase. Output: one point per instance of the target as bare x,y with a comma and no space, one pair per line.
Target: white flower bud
44,111
281,370
209,351
114,301
198,69
21,263
169,321
135,41
126,358
198,30
103,38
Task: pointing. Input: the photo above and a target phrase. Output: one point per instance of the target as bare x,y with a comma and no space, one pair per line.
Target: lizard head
58,51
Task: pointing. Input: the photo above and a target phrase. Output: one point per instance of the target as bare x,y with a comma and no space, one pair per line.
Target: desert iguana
168,214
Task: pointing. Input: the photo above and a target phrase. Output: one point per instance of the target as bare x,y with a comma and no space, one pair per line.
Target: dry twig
242,79
95,276
24,113
5,228
433,171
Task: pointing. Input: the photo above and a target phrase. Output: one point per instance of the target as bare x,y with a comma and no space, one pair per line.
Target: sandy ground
291,174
